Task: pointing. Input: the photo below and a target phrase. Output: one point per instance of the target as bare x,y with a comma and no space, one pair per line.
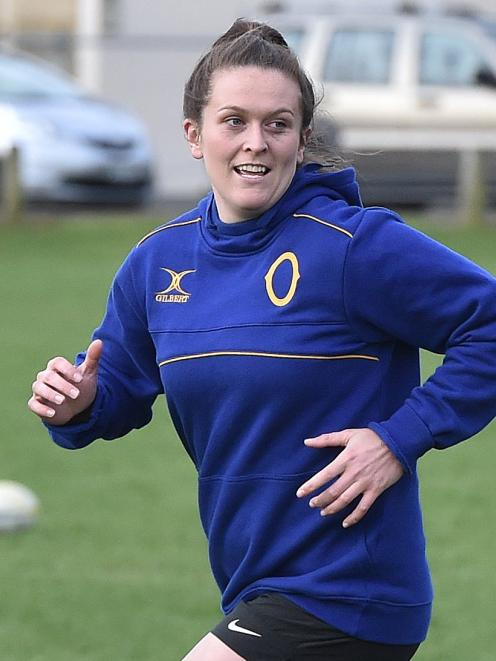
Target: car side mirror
485,77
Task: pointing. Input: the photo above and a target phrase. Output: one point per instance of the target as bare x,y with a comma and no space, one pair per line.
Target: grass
117,566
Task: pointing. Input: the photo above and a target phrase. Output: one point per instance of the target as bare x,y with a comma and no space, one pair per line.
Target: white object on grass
19,506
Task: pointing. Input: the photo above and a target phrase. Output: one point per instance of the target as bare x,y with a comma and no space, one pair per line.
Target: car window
449,58
20,78
359,56
488,26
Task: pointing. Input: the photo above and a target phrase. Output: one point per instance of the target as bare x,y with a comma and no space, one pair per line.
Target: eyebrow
278,111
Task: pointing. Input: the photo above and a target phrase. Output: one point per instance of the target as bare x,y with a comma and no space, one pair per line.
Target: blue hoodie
305,320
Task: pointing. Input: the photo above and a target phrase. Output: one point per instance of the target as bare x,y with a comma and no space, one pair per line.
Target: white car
72,147
413,89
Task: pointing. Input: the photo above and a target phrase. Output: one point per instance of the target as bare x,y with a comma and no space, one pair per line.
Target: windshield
21,79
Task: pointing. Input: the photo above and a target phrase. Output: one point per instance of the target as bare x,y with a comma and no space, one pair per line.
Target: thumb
333,439
93,355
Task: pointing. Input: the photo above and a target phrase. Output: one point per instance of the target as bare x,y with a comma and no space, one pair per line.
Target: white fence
469,144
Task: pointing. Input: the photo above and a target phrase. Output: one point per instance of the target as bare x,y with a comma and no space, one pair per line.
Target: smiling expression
250,139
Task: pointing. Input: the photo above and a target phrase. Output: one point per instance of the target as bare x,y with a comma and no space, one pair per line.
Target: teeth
254,169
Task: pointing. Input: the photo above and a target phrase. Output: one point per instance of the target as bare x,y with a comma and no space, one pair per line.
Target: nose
255,139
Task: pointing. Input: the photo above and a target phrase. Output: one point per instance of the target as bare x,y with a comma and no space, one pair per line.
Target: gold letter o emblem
292,259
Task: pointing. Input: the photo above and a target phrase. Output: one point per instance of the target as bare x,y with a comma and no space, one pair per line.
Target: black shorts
271,627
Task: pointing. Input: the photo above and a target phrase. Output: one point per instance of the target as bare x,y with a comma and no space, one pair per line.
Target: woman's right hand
62,391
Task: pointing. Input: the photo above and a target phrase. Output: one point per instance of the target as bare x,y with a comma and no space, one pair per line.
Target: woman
280,310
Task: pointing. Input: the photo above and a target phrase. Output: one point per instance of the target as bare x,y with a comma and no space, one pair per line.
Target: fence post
11,197
471,191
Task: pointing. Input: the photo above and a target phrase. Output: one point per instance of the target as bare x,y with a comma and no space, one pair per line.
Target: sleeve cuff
406,435
74,436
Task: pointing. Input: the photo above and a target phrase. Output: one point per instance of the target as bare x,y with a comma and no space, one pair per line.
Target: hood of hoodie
252,235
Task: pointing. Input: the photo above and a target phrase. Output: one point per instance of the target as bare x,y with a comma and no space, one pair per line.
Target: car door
366,72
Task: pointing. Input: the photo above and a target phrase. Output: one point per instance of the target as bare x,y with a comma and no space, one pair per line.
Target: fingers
53,387
337,496
344,499
366,468
330,472
63,367
366,502
58,386
93,355
333,439
341,494
40,408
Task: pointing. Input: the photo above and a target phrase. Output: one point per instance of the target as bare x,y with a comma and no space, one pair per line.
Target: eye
279,124
233,121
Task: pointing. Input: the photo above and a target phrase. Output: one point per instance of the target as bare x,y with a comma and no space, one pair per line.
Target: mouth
251,170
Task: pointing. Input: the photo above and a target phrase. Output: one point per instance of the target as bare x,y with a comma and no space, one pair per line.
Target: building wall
144,65
30,16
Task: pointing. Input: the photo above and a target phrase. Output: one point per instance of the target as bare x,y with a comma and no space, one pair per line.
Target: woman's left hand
366,467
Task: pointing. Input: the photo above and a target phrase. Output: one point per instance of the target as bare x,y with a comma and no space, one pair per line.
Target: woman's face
250,139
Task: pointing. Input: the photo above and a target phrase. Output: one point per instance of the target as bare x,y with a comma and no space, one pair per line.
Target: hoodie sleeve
128,376
401,285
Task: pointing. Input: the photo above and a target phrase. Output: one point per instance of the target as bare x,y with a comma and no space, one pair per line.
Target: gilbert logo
166,295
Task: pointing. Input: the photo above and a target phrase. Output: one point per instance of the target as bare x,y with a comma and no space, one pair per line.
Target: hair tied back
243,28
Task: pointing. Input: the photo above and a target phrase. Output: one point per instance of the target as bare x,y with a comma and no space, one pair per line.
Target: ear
192,135
305,136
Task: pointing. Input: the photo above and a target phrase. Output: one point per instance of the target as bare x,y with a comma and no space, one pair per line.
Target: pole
471,188
8,21
87,55
11,197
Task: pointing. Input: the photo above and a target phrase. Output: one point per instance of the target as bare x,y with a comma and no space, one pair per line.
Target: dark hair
250,43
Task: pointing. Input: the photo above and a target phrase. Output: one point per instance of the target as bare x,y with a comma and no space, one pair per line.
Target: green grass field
116,567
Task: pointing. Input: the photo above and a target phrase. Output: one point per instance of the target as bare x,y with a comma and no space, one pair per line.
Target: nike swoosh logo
233,626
